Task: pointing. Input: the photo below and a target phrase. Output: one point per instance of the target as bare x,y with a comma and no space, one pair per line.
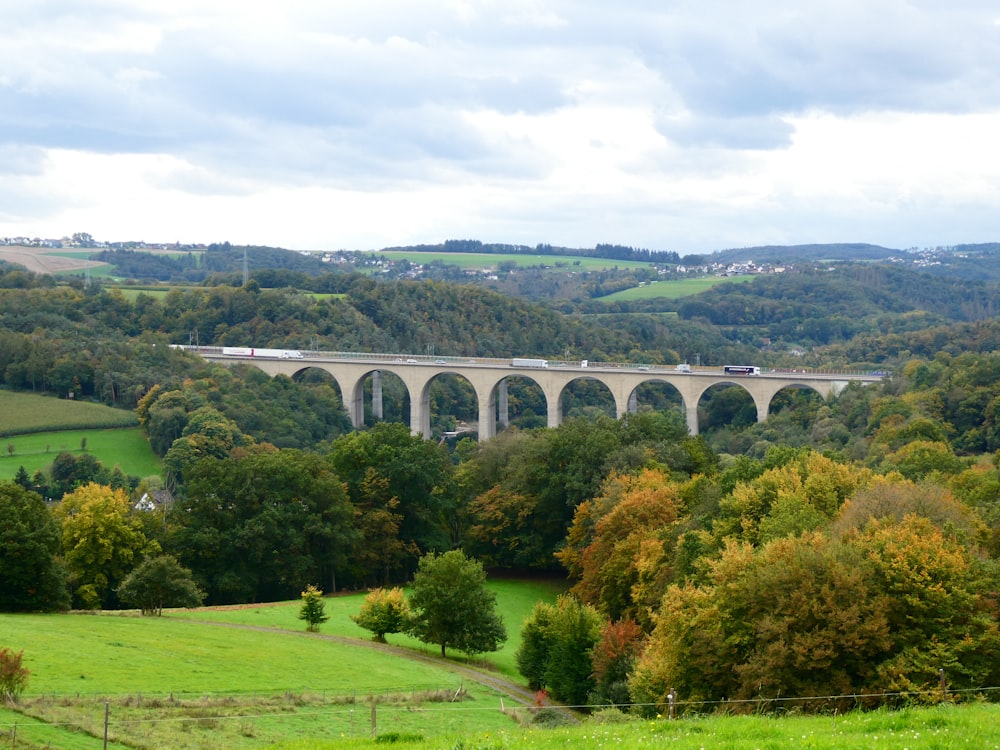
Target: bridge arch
421,408
578,388
656,393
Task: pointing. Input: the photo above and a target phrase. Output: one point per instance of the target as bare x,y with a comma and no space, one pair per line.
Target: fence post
107,710
374,729
944,685
671,703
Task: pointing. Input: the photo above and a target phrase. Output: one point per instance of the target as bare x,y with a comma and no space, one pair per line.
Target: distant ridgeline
610,252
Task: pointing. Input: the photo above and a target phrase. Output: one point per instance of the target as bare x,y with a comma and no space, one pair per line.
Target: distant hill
857,251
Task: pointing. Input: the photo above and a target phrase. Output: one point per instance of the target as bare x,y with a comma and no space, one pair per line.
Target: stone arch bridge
488,376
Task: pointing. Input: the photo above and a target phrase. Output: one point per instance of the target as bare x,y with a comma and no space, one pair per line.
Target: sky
682,125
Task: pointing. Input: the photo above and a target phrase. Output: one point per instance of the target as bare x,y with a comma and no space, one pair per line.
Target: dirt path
518,693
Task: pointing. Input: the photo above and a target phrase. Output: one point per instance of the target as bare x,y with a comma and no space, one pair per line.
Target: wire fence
322,713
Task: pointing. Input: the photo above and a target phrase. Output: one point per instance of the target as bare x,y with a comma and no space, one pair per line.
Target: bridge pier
503,405
762,409
691,413
355,403
377,394
487,412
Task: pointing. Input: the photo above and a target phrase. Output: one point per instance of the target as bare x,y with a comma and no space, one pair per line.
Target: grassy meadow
674,288
932,728
515,600
34,429
248,677
127,448
27,412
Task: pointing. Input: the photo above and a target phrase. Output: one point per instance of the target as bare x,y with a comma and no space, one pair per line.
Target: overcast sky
686,125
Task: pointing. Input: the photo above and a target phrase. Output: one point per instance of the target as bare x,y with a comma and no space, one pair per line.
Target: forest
843,546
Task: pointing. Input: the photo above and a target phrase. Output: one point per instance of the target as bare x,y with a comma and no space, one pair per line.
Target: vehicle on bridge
246,351
741,370
524,362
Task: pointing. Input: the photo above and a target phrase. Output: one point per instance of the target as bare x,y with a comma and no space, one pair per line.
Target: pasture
249,677
35,429
931,728
515,600
28,413
674,288
126,448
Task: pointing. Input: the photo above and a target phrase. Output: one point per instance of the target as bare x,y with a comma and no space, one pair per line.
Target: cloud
650,124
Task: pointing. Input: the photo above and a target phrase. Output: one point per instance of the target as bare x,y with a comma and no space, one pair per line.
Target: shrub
13,676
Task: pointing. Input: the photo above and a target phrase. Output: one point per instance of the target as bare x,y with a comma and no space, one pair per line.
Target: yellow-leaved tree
103,541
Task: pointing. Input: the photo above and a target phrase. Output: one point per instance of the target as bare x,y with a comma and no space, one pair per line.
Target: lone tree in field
313,609
384,611
160,582
451,605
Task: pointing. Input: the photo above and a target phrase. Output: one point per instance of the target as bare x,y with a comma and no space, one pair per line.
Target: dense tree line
820,305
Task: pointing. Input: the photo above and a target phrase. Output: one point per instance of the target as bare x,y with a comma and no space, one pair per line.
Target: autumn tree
13,674
388,462
383,611
102,542
614,658
451,606
382,552
632,511
937,603
798,616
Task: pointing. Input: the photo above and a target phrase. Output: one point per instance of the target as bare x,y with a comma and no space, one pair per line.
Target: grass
518,599
127,448
114,654
34,429
28,412
674,289
933,728
177,681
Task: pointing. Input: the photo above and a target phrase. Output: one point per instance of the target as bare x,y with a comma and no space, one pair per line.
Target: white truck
525,362
246,351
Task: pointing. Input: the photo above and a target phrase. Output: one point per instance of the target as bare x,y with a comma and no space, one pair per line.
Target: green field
518,599
674,289
492,260
127,448
249,677
34,429
252,677
24,413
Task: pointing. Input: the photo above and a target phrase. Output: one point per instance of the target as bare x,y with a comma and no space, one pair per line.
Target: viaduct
488,378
